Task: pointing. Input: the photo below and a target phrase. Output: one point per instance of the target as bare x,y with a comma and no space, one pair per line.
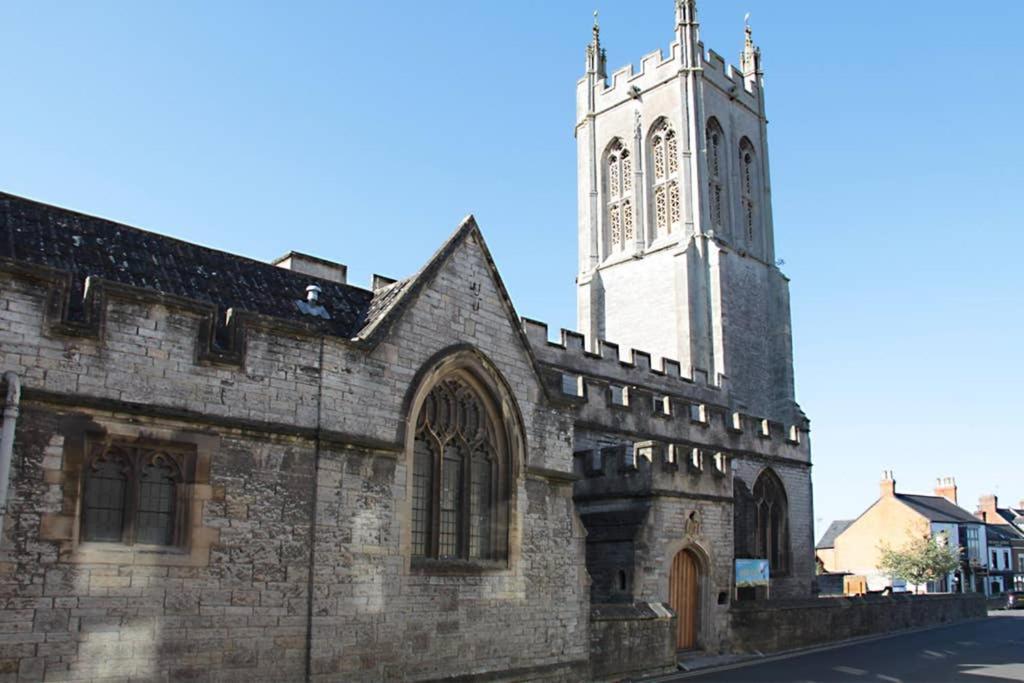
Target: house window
132,495
772,514
973,544
618,189
457,481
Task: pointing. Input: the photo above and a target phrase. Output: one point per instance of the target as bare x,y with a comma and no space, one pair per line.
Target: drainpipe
7,439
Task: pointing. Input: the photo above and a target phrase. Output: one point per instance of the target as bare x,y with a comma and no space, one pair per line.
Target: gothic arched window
457,480
618,192
747,189
716,174
131,496
772,515
665,185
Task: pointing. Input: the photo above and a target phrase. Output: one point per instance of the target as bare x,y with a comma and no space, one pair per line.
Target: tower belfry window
715,140
665,185
747,184
619,207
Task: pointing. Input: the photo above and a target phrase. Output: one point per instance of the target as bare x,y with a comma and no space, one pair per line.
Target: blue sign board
751,573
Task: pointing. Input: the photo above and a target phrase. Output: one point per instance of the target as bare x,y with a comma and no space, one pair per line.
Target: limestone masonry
232,470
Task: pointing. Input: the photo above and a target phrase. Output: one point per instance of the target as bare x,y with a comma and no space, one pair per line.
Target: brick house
896,518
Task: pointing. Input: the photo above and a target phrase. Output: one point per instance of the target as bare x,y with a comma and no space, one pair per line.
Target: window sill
197,554
427,565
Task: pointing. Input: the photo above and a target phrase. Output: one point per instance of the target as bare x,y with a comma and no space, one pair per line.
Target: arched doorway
684,597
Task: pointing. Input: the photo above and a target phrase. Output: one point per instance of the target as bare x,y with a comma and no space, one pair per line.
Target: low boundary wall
630,640
775,625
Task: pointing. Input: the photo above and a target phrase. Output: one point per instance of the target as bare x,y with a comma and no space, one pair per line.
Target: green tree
921,560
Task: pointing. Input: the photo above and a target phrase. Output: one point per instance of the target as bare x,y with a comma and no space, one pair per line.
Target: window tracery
131,496
715,141
618,207
455,476
772,514
664,152
747,185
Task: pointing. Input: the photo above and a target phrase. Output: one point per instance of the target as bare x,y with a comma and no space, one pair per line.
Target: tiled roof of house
83,246
828,540
937,508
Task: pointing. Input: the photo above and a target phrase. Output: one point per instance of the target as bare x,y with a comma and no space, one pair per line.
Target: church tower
676,245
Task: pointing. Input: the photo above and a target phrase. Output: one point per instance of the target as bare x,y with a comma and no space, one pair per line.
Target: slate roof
1010,515
1001,532
35,233
828,540
937,509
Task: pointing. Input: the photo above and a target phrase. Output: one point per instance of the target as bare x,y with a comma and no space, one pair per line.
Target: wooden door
684,597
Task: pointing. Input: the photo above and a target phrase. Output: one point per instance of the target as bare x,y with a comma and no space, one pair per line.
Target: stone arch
473,369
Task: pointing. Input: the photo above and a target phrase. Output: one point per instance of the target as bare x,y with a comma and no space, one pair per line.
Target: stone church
216,468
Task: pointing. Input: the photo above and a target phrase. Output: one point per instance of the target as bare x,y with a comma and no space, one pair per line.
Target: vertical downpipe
11,409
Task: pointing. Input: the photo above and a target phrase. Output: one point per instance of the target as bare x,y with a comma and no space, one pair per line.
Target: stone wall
239,608
296,423
778,625
627,640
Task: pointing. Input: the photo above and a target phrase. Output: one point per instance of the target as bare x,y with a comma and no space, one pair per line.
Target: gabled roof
392,301
937,509
828,540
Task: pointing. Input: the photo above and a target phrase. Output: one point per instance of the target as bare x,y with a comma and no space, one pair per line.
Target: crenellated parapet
641,403
729,79
651,467
657,67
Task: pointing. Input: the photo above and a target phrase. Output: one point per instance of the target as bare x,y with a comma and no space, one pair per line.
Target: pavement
982,651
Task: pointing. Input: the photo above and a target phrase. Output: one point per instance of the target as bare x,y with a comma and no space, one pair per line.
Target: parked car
1014,600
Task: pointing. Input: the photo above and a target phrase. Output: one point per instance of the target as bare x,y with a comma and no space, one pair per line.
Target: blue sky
363,132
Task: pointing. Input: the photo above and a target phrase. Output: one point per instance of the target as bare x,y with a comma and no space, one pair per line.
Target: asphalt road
986,651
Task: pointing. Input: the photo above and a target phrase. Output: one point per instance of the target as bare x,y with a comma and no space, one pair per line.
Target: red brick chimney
946,487
987,509
887,486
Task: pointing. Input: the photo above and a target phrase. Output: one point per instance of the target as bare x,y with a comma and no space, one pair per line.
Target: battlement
625,83
647,467
655,404
656,68
728,78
